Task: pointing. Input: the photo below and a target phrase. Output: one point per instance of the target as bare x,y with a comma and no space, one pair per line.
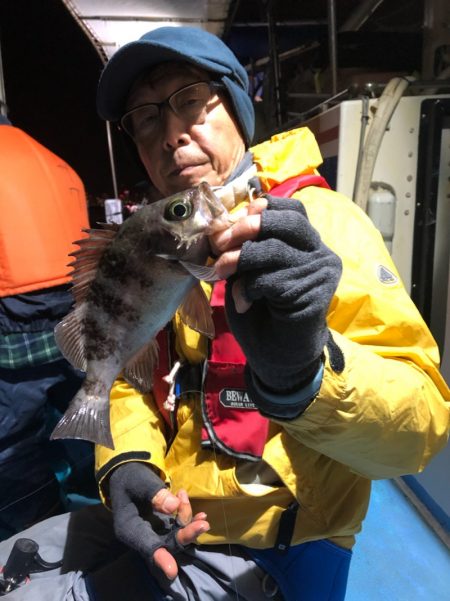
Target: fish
128,281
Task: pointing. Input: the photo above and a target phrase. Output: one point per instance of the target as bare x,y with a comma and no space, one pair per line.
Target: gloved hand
135,490
288,276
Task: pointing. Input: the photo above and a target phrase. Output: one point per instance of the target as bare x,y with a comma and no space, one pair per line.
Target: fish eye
179,210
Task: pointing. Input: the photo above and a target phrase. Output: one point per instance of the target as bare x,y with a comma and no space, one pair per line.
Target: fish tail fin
86,418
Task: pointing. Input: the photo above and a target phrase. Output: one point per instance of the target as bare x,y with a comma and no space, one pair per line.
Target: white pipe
111,159
362,139
386,106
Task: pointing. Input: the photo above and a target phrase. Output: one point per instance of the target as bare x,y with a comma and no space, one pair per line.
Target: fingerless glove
289,275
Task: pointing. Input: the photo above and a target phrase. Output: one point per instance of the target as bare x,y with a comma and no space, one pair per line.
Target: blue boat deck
398,556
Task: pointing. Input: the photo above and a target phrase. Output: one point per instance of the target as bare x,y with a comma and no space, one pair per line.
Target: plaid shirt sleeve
28,349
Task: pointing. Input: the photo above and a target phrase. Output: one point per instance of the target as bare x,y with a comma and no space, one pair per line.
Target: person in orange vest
43,209
254,481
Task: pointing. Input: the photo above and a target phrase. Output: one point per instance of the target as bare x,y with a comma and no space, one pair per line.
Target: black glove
132,487
289,276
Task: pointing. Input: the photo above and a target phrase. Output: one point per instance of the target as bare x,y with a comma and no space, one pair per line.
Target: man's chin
183,182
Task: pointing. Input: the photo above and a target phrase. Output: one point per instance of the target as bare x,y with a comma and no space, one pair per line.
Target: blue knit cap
187,44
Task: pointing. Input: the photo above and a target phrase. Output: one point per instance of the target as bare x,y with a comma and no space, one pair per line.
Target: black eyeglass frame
213,85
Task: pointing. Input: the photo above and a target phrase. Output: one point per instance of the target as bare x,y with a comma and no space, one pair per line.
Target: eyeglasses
188,103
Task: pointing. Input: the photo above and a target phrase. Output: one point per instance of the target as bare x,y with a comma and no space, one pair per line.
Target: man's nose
175,130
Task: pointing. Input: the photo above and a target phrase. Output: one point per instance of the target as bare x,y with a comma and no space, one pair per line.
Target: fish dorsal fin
113,227
87,257
196,313
139,370
69,338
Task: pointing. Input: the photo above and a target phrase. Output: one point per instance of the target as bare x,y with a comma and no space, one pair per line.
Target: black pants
31,400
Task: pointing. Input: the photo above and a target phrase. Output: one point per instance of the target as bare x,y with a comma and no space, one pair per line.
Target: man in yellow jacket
322,375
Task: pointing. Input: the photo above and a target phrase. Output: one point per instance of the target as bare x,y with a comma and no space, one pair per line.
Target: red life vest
231,421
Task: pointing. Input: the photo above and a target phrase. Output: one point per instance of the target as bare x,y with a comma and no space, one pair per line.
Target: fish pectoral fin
206,273
69,338
138,372
166,257
195,312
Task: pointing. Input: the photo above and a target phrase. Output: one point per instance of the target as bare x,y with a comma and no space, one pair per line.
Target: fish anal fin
70,340
195,312
139,370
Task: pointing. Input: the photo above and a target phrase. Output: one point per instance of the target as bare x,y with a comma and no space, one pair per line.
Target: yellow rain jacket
385,415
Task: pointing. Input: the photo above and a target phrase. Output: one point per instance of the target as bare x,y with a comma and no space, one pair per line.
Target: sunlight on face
180,154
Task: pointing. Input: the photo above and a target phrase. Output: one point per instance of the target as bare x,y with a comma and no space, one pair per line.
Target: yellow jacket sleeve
382,417
388,412
138,432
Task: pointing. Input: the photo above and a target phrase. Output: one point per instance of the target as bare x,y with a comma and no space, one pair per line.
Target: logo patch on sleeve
385,276
235,399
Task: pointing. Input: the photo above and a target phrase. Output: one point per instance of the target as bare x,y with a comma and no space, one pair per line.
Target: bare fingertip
183,496
257,206
200,530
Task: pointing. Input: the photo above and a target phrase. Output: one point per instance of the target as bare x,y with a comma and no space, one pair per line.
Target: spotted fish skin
127,285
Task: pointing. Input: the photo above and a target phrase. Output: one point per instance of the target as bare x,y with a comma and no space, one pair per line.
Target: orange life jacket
43,210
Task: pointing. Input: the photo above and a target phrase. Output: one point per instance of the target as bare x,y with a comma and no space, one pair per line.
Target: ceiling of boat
111,24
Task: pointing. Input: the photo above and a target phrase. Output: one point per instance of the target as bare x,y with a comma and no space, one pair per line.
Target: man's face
180,154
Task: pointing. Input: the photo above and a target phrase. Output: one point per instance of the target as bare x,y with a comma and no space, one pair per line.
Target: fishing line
76,464
30,494
222,502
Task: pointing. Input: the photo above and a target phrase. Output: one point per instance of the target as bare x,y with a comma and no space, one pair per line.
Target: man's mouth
184,169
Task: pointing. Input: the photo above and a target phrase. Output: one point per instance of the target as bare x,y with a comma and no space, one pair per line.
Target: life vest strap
231,419
287,188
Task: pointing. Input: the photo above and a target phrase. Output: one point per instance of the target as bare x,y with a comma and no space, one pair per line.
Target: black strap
286,528
189,378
